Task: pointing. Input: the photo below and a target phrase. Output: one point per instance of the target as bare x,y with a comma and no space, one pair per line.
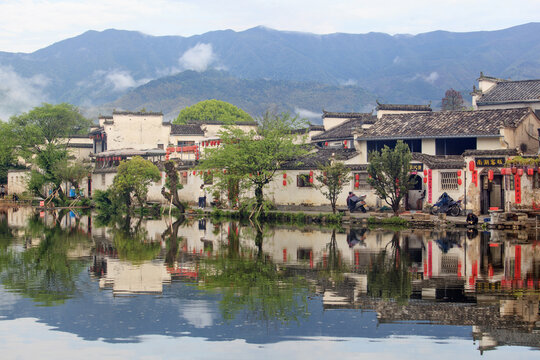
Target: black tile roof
345,130
345,115
508,152
440,162
139,113
320,157
445,124
186,129
403,107
512,92
217,122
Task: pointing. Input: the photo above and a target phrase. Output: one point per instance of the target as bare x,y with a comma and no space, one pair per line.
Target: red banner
475,177
430,186
517,187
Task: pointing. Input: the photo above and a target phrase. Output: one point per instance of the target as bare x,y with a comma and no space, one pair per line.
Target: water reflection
229,280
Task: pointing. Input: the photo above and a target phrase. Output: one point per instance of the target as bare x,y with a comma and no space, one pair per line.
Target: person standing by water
202,197
2,191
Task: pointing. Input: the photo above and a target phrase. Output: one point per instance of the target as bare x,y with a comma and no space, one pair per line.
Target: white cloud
304,113
197,58
350,82
122,80
198,313
430,78
19,94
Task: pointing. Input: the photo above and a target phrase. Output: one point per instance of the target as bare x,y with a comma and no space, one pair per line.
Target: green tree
132,181
214,110
72,171
389,174
8,150
452,100
43,135
332,179
252,158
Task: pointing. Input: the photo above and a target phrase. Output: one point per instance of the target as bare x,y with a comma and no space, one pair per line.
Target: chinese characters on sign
490,161
430,187
517,185
416,167
475,177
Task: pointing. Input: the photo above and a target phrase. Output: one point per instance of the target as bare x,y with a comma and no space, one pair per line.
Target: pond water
193,289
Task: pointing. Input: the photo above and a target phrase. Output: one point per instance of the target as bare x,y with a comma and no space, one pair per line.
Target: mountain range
96,68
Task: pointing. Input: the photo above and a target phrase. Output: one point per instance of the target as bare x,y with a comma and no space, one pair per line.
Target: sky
28,25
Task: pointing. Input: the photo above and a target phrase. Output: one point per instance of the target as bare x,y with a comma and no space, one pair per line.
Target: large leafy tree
252,158
389,173
8,150
452,100
43,135
132,181
214,110
332,179
172,185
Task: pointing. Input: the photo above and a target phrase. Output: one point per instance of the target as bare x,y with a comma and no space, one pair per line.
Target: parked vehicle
446,205
358,203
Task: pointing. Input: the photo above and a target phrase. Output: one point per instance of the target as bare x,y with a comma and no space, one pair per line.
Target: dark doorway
492,193
415,196
89,186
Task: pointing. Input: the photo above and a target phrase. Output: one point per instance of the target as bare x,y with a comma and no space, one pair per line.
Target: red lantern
514,170
459,173
284,182
194,172
345,142
311,173
224,171
357,184
311,180
459,182
326,143
471,165
425,172
530,171
503,171
520,171
285,175
425,180
219,142
357,177
490,175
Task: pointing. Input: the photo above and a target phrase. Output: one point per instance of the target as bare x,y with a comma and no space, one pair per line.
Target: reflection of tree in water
389,276
44,273
170,235
333,267
132,242
251,283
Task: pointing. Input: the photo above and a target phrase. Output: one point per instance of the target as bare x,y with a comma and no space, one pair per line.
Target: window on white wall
449,180
102,179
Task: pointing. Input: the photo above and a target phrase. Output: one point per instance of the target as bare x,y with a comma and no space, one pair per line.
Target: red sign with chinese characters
517,187
475,177
430,187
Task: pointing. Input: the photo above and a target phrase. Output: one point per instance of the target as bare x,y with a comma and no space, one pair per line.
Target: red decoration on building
517,187
285,175
326,143
194,172
430,186
520,172
514,170
425,172
490,175
357,184
459,182
425,180
459,173
284,182
530,171
503,171
357,177
471,165
475,177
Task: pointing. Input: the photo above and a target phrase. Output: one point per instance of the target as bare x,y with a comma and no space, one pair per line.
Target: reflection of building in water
124,277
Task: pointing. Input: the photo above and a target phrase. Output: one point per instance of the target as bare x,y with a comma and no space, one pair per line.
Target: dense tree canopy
389,173
213,110
132,181
252,158
42,136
